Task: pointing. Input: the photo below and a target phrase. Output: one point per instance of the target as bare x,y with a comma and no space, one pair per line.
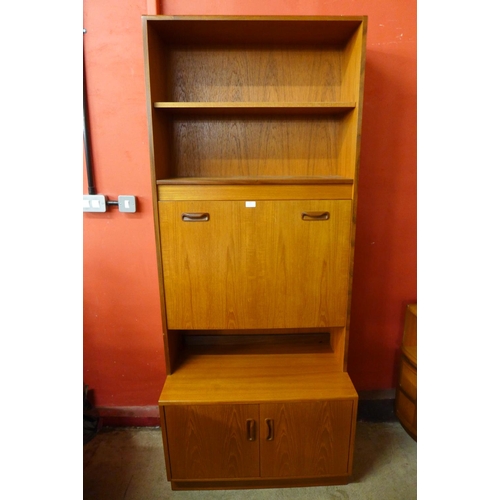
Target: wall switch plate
94,203
126,203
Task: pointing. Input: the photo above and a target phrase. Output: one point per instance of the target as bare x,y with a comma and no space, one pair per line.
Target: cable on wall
94,202
86,138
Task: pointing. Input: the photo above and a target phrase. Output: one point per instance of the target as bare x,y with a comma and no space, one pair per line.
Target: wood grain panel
347,154
255,73
261,267
239,191
275,180
262,108
248,146
254,378
408,379
406,411
309,439
163,426
353,61
210,441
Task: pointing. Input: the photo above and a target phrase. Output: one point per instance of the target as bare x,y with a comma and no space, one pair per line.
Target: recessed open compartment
247,146
305,62
281,345
256,343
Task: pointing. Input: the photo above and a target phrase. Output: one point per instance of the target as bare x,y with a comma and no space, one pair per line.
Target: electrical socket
94,203
126,203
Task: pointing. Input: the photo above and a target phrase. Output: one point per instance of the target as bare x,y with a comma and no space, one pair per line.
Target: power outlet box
126,203
94,203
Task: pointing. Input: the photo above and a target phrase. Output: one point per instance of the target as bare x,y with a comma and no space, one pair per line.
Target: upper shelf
257,107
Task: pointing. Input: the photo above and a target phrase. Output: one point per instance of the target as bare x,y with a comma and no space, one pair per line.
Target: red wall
123,350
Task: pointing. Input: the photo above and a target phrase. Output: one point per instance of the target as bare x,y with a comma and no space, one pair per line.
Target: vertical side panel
354,61
163,425
352,440
158,153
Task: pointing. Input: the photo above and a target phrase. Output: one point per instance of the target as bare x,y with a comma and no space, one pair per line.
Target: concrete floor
128,464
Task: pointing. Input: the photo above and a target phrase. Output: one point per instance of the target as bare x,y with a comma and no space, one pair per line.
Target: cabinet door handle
315,216
196,217
270,429
251,429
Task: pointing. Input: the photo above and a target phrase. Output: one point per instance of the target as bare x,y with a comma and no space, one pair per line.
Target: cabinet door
278,264
213,441
306,439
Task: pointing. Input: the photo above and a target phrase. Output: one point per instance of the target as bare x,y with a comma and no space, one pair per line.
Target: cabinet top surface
256,378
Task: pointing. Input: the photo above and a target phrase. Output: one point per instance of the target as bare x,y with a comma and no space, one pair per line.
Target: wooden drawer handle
196,217
251,436
270,429
311,216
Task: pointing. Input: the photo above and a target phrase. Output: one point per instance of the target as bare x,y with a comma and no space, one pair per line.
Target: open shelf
248,143
326,108
257,368
247,377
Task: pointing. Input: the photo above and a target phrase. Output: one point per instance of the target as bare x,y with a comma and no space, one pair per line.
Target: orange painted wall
123,350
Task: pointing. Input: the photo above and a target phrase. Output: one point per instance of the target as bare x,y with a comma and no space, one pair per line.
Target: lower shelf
256,378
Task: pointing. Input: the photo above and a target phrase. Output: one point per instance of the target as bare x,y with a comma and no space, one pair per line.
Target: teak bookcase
254,129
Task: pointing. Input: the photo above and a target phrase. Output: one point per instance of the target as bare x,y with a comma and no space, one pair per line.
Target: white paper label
250,204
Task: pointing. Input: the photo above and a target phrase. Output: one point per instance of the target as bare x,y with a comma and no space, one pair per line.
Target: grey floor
128,464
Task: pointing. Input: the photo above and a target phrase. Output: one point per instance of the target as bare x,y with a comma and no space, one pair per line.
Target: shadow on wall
385,255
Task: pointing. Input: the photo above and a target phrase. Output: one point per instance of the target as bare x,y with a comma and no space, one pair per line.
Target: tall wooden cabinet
254,129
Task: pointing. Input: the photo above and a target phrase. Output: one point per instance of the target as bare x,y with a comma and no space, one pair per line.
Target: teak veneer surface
261,108
310,439
255,296
411,353
256,378
209,441
257,180
241,190
260,267
254,73
406,391
236,145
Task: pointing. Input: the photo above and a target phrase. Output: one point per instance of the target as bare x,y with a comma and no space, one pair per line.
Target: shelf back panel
253,74
246,146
